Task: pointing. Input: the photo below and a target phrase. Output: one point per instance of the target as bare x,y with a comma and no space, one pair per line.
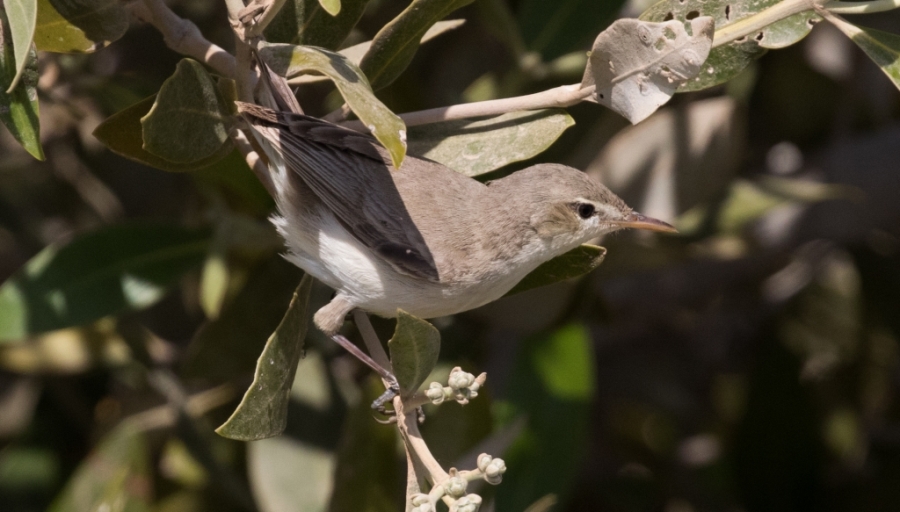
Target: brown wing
350,173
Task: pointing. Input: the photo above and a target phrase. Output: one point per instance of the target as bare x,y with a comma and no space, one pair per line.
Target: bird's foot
393,389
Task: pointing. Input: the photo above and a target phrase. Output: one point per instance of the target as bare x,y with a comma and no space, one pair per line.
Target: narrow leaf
78,26
288,61
123,135
414,351
726,61
262,412
306,22
394,46
477,147
19,109
99,273
187,123
637,66
332,7
22,17
575,263
116,472
882,47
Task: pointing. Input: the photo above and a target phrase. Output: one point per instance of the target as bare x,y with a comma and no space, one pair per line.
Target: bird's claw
392,391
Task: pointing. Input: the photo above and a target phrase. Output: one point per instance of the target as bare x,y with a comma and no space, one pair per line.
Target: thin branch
370,337
259,168
860,7
408,425
267,16
183,36
752,24
198,404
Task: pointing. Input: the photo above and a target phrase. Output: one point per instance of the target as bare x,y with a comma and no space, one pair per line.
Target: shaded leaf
288,61
115,476
78,26
22,16
262,412
554,28
394,46
414,351
366,471
477,147
187,123
728,60
305,22
68,351
882,47
332,7
356,52
230,345
122,134
120,267
637,66
19,109
575,263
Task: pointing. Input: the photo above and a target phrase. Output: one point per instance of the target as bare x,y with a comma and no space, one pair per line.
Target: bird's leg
393,388
370,337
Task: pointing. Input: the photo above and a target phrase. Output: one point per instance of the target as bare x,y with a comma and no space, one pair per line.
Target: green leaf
414,349
187,123
115,476
122,134
882,47
394,46
575,263
307,23
121,267
636,66
332,7
230,344
288,61
78,26
728,60
477,147
22,16
262,412
554,28
19,109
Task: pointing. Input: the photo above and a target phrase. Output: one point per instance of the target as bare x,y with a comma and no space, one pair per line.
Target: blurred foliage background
748,364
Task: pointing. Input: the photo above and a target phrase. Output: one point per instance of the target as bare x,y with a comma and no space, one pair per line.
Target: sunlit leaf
19,109
288,61
882,47
306,22
414,351
262,412
637,66
554,28
122,134
187,123
78,26
394,46
477,147
69,351
115,476
728,60
100,273
575,263
332,7
22,15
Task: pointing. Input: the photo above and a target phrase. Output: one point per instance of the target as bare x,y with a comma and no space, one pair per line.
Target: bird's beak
637,221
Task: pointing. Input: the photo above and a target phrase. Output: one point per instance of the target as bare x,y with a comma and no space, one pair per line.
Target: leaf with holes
262,412
78,26
729,59
882,47
19,109
475,147
288,60
637,66
394,46
414,351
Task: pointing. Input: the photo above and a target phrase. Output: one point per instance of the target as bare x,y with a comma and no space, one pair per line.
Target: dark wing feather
351,174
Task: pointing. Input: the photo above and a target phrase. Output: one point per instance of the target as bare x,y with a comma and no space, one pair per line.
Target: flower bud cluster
461,386
492,468
468,503
421,503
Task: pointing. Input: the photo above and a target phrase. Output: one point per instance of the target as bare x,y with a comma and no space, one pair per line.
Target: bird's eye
585,210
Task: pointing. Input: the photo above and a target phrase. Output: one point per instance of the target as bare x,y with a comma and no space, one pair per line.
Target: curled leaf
637,66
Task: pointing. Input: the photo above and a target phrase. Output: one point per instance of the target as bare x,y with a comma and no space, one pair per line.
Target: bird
423,238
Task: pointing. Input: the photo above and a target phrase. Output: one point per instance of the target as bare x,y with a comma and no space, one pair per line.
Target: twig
183,36
197,404
370,337
756,22
259,168
860,7
408,425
